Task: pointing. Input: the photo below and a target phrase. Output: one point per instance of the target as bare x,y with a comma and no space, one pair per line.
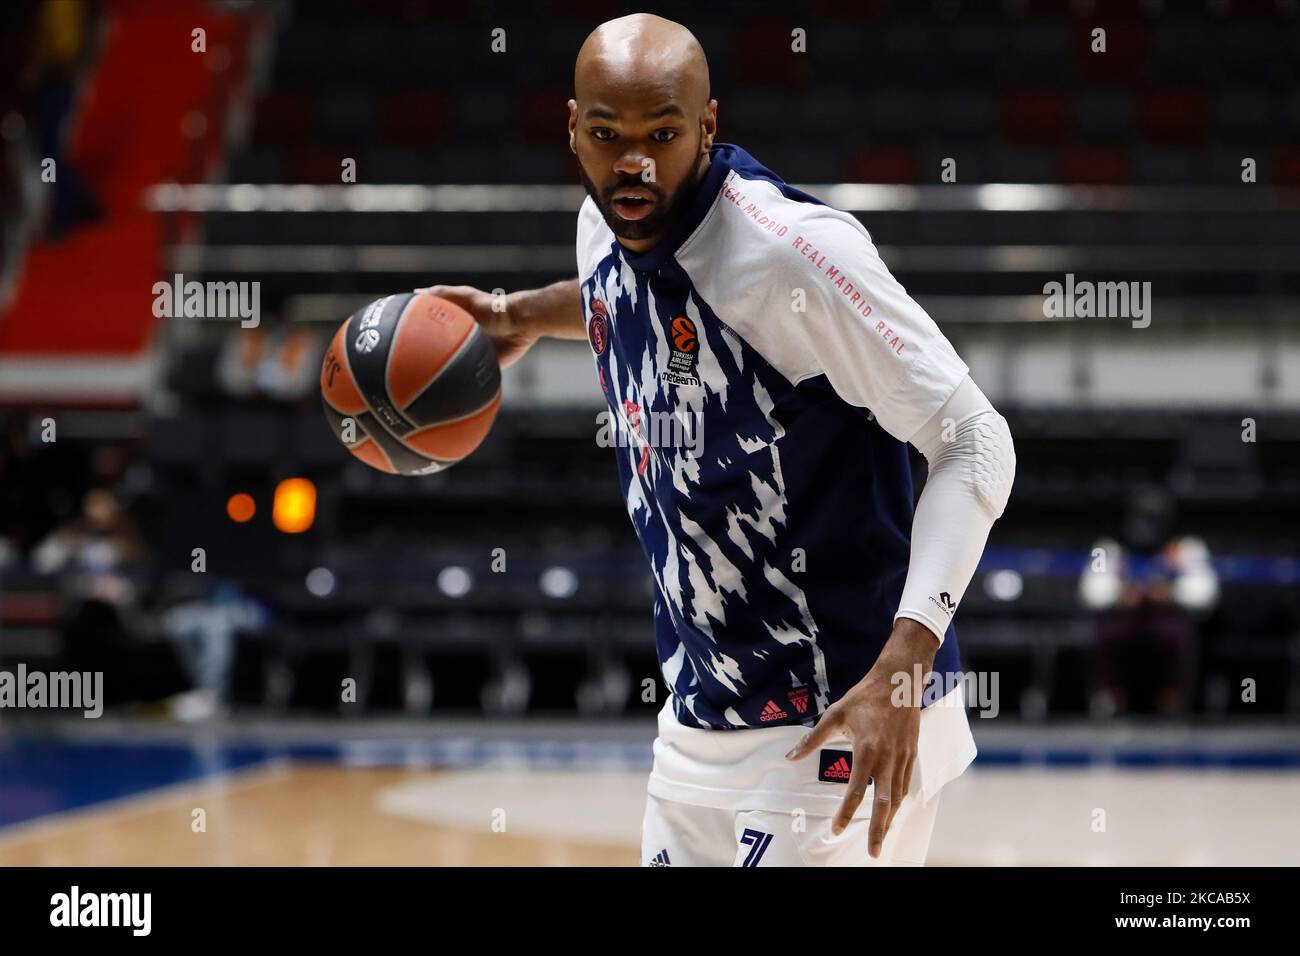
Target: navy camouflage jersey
764,461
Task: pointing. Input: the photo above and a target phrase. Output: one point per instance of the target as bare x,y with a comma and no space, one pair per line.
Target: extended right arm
524,317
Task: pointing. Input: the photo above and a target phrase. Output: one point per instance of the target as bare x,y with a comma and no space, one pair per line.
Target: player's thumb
815,737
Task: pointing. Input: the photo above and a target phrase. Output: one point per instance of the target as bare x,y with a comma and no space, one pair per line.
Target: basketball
410,384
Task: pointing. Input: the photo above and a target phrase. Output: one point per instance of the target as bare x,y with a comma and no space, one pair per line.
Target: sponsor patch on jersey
685,355
836,766
673,378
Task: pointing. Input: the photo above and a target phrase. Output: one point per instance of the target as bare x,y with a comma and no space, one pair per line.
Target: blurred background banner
1098,202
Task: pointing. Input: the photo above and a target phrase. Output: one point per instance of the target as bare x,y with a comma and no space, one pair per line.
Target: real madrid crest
598,327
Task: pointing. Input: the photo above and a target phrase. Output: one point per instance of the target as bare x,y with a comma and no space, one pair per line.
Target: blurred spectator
1150,588
41,482
100,559
19,173
8,554
61,52
96,553
204,631
276,359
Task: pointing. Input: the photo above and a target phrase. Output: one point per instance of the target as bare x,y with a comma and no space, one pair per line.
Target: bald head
644,52
641,123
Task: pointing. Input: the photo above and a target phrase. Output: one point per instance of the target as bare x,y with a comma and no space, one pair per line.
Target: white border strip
46,376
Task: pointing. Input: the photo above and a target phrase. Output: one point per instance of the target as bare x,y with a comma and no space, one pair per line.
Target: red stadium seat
318,167
415,117
585,11
1173,116
282,118
765,58
1127,42
1118,10
884,164
543,114
1034,115
413,11
1258,9
1094,166
1286,165
849,9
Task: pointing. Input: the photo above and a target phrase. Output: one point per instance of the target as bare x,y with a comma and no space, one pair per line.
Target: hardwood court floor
293,815
391,807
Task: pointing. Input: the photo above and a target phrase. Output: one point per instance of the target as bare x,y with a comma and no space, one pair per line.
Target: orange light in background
295,505
241,507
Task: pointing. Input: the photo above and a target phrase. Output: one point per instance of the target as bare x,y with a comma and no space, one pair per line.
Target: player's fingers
907,775
881,806
859,781
904,786
456,293
826,727
897,791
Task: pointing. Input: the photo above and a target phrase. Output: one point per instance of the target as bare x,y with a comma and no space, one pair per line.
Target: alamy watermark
76,690
133,911
980,690
208,300
1085,299
634,428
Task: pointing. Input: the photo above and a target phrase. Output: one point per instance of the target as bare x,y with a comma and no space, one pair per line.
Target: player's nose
631,162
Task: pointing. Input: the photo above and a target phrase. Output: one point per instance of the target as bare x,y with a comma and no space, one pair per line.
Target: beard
667,208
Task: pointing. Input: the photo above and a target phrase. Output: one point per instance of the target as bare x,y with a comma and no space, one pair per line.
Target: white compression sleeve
972,464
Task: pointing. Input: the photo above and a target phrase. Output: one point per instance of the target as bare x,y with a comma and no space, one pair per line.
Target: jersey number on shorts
757,841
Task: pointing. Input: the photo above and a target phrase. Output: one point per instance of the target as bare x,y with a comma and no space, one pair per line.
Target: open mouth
633,206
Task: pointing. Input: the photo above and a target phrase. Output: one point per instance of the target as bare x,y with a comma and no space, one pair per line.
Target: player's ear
573,125
708,126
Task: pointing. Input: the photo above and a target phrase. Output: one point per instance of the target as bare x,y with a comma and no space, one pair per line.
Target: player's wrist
911,642
522,314
548,311
908,656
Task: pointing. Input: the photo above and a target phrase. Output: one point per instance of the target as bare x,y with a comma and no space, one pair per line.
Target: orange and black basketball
411,384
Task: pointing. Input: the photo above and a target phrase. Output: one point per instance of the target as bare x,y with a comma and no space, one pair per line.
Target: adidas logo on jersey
771,711
661,859
836,766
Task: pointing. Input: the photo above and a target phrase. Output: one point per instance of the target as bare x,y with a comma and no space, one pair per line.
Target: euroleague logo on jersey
684,333
598,328
681,364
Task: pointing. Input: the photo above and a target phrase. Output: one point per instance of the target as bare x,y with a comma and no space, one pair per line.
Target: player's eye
664,135
602,133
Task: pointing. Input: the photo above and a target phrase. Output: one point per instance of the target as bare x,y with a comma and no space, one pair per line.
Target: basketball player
794,611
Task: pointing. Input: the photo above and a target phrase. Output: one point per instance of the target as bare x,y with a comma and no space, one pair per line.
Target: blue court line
42,777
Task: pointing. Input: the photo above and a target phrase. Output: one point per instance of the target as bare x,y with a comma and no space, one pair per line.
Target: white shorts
730,798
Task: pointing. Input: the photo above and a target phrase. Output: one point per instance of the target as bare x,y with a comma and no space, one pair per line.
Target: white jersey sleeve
594,237
878,348
972,460
804,284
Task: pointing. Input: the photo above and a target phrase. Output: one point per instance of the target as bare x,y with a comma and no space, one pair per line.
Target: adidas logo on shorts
836,766
660,859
